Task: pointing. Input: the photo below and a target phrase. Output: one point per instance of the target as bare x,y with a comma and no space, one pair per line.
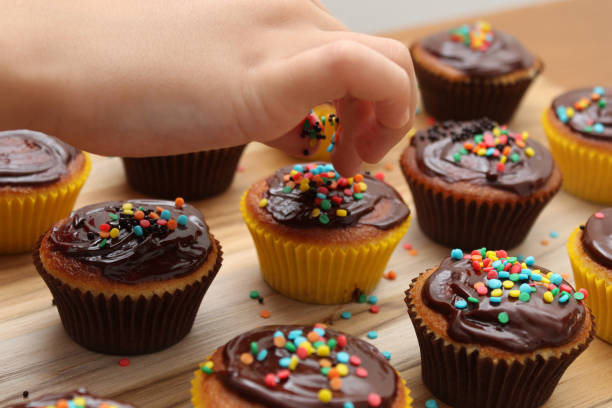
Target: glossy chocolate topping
503,55
587,111
597,237
28,158
138,254
441,152
51,400
294,207
301,388
531,325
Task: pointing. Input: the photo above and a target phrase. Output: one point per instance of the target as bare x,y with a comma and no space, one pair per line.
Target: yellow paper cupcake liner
587,171
600,291
196,391
27,216
319,273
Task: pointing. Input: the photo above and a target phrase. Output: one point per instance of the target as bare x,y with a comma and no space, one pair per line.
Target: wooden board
36,355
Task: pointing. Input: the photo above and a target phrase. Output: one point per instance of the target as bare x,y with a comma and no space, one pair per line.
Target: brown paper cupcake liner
463,378
445,99
126,326
191,176
457,222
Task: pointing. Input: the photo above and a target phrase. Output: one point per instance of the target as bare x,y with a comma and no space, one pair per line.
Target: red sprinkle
492,275
354,360
104,227
584,292
283,374
501,253
341,341
161,221
516,268
476,266
407,247
565,288
374,309
380,176
270,380
124,362
374,400
302,352
145,223
482,290
361,372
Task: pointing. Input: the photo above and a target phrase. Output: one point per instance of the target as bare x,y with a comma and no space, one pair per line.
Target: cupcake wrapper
463,378
468,224
126,326
587,171
27,217
198,402
191,176
445,99
319,273
600,292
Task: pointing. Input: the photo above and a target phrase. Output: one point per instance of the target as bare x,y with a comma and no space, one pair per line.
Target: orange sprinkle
333,373
139,215
356,188
325,362
388,167
62,403
171,225
468,145
104,405
507,150
286,177
565,276
246,358
335,383
391,275
413,252
595,96
265,314
520,143
358,177
159,209
104,234
279,342
544,242
312,336
179,202
153,215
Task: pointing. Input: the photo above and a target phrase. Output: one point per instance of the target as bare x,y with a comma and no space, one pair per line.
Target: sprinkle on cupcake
596,100
478,36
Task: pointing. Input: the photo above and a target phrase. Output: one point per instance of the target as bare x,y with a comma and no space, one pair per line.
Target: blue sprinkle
331,146
284,362
372,335
299,340
460,304
529,261
298,167
520,258
598,128
523,276
503,274
261,356
599,90
343,357
556,279
294,333
372,299
71,404
457,254
564,297
554,234
346,315
496,264
166,215
490,151
278,333
138,231
386,355
525,288
536,277
431,404
182,219
494,283
321,196
495,299
319,330
348,404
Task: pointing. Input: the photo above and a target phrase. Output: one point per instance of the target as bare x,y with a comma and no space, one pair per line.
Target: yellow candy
316,212
341,213
549,274
128,212
209,364
293,172
548,297
293,362
525,135
484,25
536,271
79,401
263,202
323,350
508,284
496,131
492,255
503,159
127,206
114,233
545,280
342,369
515,293
363,186
529,152
304,187
350,181
325,395
482,152
497,292
570,112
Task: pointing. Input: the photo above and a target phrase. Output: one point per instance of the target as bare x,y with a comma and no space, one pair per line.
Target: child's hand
151,77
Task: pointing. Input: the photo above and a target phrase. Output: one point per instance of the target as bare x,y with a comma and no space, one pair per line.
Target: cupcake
320,131
590,253
322,238
298,366
496,332
579,130
40,178
477,183
473,71
193,175
129,277
73,399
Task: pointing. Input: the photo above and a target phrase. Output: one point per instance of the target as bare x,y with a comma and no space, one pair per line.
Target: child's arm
150,77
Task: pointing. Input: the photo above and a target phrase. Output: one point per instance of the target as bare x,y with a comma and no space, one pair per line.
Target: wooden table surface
36,355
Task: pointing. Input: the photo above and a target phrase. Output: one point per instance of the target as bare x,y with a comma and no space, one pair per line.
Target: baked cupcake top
315,195
135,241
32,158
490,298
597,237
484,153
478,50
306,366
73,399
587,111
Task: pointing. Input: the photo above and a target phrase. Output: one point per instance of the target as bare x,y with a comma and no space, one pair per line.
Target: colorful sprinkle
254,294
431,404
346,315
124,362
372,335
503,317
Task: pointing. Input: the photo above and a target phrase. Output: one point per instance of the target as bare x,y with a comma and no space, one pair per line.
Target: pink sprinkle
374,400
354,360
240,168
407,247
599,215
380,176
482,290
361,372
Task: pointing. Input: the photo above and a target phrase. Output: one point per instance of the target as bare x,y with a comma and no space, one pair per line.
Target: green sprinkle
524,297
503,318
207,370
514,277
113,216
325,371
515,157
287,189
290,346
306,125
254,348
457,157
323,119
512,259
472,299
463,152
102,243
588,128
325,205
555,291
362,298
316,344
357,196
323,219
478,138
578,295
332,343
601,103
254,294
141,208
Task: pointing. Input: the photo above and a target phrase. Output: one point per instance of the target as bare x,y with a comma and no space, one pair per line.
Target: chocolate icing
436,146
159,254
295,208
29,158
597,238
503,56
532,325
579,121
301,388
50,400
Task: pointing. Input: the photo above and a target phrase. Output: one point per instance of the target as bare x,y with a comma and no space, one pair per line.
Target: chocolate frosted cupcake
578,125
192,175
298,366
323,238
129,277
495,332
477,183
590,252
73,399
473,71
40,178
